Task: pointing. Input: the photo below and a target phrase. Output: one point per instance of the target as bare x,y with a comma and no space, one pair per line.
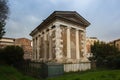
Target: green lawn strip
91,75
9,73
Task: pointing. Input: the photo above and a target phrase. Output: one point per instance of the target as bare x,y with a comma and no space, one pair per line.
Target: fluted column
77,45
82,42
85,43
84,59
37,47
58,44
68,43
45,50
33,54
50,44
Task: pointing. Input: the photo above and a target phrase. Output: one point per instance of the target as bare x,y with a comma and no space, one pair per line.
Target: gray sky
26,15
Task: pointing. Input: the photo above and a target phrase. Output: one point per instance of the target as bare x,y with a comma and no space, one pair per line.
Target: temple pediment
72,16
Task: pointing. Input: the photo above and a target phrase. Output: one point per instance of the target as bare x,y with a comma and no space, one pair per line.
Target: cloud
22,27
26,15
83,3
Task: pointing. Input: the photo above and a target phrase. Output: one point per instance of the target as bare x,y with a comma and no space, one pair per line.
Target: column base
85,59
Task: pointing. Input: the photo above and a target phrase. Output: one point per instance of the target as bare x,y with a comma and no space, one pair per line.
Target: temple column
77,45
84,47
33,54
84,42
68,43
37,48
58,44
42,46
45,50
50,44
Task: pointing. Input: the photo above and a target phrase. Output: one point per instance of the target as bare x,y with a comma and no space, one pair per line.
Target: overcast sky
26,15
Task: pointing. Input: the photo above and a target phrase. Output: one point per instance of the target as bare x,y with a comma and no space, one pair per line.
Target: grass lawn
91,75
9,73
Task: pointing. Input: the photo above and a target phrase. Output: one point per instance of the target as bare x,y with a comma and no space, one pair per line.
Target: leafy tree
4,10
105,54
12,55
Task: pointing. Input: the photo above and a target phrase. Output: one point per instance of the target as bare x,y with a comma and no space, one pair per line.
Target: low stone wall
83,66
37,69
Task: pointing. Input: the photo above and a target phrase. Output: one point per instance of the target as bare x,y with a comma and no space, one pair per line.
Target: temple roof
72,16
69,16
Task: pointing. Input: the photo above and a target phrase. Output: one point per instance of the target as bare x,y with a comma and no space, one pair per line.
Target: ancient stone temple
60,38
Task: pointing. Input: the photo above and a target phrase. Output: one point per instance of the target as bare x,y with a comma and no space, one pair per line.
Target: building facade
90,41
116,43
6,42
26,45
22,42
60,38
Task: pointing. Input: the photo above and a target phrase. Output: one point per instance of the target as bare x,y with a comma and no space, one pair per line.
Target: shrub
12,55
106,55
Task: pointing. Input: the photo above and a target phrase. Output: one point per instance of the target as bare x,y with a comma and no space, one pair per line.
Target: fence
53,69
43,70
32,68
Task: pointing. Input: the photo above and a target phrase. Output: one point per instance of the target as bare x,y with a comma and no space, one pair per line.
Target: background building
116,43
90,41
6,42
26,45
22,42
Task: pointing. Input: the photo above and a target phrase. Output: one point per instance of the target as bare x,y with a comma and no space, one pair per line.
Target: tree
4,10
105,54
12,55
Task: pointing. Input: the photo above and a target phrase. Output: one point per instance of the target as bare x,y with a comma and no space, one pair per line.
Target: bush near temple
106,55
11,55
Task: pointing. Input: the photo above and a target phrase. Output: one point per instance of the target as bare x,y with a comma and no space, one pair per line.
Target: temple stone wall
83,66
64,38
61,43
44,45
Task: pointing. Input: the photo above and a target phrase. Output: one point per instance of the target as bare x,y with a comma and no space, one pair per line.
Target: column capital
84,31
57,25
68,27
33,38
50,27
44,30
50,32
77,29
40,34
